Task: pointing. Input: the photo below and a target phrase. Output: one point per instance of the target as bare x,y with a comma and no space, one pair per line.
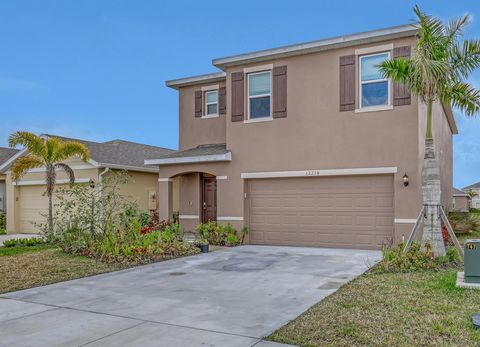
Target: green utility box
472,261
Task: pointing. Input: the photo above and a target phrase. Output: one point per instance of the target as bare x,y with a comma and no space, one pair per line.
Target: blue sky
95,69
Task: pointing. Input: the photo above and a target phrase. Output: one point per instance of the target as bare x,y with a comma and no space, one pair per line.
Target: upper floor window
259,95
374,89
211,103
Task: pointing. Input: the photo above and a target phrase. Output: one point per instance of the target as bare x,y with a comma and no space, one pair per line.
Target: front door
209,199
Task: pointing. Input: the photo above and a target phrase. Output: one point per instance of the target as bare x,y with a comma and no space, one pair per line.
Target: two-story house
475,200
306,145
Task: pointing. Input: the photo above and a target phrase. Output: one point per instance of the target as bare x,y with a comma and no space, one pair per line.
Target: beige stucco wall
461,204
316,135
194,131
138,189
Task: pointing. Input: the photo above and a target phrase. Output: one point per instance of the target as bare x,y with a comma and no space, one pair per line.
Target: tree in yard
472,194
49,152
436,73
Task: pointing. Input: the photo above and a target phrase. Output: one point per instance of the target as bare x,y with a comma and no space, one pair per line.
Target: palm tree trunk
432,230
50,214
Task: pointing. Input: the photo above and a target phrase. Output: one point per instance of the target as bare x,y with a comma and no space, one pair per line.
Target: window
259,95
374,89
211,103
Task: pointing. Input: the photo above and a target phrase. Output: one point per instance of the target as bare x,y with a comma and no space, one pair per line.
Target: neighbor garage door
33,206
348,211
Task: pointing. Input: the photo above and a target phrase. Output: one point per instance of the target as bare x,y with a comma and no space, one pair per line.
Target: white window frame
261,119
362,108
213,115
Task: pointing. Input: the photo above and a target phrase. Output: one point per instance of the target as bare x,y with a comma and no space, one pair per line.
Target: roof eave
191,159
450,118
193,80
318,46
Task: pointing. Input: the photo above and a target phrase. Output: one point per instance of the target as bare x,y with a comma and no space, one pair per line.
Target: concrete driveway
232,297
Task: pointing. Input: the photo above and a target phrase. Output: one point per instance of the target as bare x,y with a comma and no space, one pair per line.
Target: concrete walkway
231,297
16,236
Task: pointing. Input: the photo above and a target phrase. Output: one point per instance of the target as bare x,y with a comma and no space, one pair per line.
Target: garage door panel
352,212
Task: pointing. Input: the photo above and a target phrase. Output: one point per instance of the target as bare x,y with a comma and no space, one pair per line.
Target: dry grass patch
390,309
27,267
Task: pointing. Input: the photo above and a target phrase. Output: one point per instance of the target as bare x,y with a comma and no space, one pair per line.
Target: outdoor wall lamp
91,183
405,179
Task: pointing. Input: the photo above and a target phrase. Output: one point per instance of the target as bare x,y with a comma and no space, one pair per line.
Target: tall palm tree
48,152
437,73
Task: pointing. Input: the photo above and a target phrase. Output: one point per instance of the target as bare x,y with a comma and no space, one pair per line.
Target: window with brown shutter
347,83
238,96
401,94
279,91
222,100
198,103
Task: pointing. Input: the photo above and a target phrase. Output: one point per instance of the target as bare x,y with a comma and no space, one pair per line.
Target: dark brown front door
209,199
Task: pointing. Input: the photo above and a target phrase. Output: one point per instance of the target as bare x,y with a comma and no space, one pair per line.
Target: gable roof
472,186
116,154
458,192
7,153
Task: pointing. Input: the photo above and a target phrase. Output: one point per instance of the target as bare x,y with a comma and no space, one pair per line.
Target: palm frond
464,97
35,144
465,58
74,148
21,166
455,27
68,170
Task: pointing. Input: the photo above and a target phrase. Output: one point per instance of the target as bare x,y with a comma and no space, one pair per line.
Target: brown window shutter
279,91
347,83
222,100
238,98
198,103
401,94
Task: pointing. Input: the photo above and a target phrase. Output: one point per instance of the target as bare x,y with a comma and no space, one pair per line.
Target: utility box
472,261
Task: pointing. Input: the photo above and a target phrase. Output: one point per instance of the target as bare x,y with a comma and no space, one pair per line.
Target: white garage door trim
319,173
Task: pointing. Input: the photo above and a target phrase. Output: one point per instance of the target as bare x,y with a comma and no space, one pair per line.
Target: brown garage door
348,211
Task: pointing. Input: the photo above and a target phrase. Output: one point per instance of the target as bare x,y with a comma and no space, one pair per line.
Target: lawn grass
390,309
27,267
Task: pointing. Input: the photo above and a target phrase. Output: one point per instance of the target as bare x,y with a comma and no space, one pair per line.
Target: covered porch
203,186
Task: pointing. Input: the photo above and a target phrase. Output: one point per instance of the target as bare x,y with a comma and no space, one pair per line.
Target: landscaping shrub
220,235
464,222
24,242
3,232
416,259
104,225
3,220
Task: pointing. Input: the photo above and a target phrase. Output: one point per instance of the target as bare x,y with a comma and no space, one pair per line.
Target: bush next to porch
101,223
221,235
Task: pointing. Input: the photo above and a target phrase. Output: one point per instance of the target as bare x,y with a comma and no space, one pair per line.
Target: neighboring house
306,144
5,154
475,202
26,200
460,201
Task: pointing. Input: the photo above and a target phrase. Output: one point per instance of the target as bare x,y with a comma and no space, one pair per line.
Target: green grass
23,249
27,267
390,309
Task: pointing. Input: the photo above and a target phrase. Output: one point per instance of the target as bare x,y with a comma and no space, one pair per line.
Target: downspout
100,191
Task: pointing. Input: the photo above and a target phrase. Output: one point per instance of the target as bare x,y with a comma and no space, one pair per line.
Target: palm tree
437,73
472,194
48,152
